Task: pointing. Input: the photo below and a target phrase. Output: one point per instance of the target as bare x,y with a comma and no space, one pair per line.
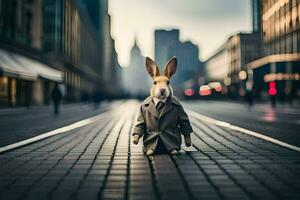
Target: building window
3,86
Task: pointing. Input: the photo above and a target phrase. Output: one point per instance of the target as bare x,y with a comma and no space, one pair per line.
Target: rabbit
162,118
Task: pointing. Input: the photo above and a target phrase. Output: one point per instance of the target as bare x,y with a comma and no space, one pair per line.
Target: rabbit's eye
155,82
168,82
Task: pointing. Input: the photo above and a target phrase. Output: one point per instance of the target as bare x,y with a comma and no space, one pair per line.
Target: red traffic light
272,88
272,84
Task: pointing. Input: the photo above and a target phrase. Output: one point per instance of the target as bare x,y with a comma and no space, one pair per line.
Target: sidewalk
42,108
21,123
98,161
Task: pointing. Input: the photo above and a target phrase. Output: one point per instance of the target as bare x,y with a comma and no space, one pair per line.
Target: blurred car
216,86
204,90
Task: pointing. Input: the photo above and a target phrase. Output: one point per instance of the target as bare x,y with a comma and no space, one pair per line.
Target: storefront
24,81
282,71
7,90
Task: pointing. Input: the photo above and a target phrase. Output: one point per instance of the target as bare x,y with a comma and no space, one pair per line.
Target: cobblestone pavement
98,161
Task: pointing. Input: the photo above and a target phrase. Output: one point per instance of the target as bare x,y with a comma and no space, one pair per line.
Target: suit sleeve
184,122
140,126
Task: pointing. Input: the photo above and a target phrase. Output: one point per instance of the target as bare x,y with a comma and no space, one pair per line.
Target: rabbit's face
161,87
161,83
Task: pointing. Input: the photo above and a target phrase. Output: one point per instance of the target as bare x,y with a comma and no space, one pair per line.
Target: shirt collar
156,100
172,99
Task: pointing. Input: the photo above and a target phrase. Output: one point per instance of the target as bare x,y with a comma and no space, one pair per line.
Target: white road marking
64,129
242,130
54,132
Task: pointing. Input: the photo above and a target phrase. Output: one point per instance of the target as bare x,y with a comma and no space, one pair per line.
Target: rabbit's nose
162,90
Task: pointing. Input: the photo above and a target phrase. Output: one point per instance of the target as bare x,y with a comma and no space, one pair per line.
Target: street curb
242,130
54,132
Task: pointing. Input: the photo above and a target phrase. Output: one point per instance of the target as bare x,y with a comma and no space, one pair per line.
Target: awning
18,66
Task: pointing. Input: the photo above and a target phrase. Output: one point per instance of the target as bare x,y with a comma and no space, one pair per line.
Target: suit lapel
166,109
152,109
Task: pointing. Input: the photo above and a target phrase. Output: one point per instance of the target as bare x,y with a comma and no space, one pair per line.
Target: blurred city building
280,29
271,53
242,48
216,66
136,80
256,12
69,37
228,65
189,68
111,70
163,40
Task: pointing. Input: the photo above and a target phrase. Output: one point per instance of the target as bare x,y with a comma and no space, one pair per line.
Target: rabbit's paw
149,152
173,152
136,139
187,140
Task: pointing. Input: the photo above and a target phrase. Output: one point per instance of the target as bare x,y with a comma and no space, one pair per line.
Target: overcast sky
206,23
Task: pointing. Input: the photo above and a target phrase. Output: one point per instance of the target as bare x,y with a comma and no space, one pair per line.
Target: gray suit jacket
168,125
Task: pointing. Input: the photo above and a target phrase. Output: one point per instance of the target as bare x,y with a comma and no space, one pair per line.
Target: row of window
284,20
71,31
72,79
284,45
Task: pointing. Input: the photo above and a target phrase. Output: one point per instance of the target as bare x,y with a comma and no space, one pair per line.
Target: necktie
160,105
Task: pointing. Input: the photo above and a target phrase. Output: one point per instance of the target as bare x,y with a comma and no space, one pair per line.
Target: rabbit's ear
170,67
152,67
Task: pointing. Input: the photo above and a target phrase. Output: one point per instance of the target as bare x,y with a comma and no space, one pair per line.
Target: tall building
70,42
94,10
25,78
137,82
21,21
52,25
168,45
101,20
163,40
116,74
280,21
256,12
187,64
280,26
63,36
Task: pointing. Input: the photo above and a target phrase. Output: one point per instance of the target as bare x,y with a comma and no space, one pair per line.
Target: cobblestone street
99,161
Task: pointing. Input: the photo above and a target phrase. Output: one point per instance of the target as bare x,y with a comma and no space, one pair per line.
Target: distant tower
256,12
167,45
136,79
187,55
163,40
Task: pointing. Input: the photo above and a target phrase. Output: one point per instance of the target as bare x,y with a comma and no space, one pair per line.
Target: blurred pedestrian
249,97
56,95
97,98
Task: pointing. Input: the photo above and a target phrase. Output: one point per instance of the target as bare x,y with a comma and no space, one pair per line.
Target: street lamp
242,75
227,81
